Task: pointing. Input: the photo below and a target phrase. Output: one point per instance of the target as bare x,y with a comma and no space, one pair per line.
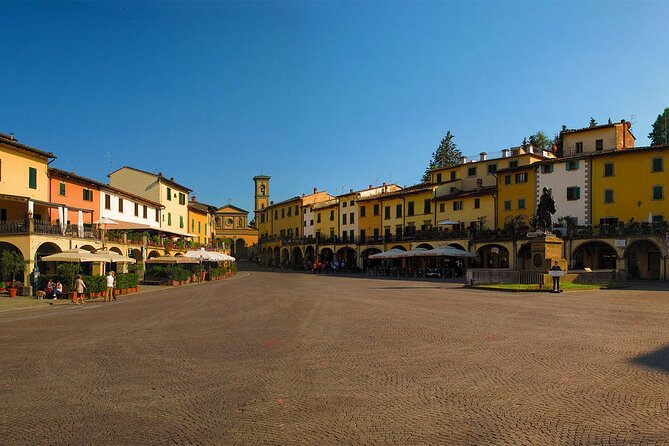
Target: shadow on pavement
658,359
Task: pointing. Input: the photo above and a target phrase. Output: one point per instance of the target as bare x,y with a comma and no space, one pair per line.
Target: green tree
540,141
660,130
447,154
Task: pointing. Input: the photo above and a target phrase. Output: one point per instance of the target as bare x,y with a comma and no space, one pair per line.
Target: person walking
79,287
111,282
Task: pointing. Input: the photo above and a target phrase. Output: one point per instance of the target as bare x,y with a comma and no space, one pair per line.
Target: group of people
333,267
55,290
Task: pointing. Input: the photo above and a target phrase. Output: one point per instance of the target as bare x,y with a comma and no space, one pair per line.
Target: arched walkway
347,255
326,255
276,256
297,260
594,255
643,259
309,254
241,250
493,256
366,261
43,250
425,246
153,254
524,257
285,257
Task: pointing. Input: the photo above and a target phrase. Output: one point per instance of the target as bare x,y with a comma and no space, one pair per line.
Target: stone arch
326,255
493,256
366,261
457,246
400,247
136,254
594,255
6,246
88,248
116,250
297,258
285,256
643,260
348,255
153,254
425,246
524,257
309,254
43,250
276,256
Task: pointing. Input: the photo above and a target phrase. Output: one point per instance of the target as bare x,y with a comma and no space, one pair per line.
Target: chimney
370,186
484,156
172,179
350,191
192,199
11,136
505,153
463,160
315,189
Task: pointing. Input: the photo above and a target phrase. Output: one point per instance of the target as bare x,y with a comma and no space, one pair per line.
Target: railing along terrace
14,227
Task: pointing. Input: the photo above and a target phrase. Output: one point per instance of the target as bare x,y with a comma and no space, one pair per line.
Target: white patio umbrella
391,254
172,260
446,251
105,221
201,254
73,256
115,257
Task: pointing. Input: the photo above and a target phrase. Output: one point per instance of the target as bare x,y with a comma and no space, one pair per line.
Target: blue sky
334,95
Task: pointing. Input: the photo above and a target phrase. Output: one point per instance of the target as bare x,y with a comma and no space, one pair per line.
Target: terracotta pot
124,291
12,292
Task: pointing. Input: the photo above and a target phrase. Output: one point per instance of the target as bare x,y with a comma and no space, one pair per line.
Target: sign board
556,273
619,243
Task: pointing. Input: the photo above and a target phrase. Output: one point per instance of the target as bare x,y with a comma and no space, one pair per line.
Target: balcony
34,226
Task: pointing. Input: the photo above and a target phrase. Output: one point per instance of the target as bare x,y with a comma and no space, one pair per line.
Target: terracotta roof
233,207
198,206
517,168
406,191
156,175
609,152
597,127
8,139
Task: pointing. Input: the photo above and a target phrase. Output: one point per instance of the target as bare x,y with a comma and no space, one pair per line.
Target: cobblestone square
285,358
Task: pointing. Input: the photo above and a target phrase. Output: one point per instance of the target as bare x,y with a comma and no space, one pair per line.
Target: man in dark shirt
556,279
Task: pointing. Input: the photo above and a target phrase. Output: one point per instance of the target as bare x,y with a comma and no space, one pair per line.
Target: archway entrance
493,256
642,259
347,255
44,250
298,261
524,257
594,255
366,261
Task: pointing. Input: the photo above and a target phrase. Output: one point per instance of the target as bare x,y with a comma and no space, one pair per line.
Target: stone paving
296,359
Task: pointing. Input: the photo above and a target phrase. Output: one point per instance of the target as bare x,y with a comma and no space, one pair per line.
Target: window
276,214
283,213
571,165
144,211
547,168
318,217
442,207
157,216
457,205
362,211
507,205
88,196
351,218
107,201
136,209
438,178
32,178
182,198
199,226
477,203
513,164
410,208
343,219
376,209
120,205
344,204
608,196
658,193
658,165
521,203
599,144
579,147
492,168
521,177
386,213
362,234
181,221
290,210
169,194
658,218
311,222
507,179
427,206
573,193
471,172
169,218
262,218
608,169
297,209
452,175
376,233
351,203
398,211
192,225
61,189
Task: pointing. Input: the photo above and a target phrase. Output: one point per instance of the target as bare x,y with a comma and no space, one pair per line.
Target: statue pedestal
545,251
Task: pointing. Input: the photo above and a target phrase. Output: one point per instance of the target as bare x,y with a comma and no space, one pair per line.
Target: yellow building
24,181
326,219
232,226
466,209
630,184
516,192
199,222
407,211
285,219
614,136
370,218
172,195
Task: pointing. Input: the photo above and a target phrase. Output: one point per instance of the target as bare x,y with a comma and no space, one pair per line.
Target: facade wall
469,214
15,166
138,183
74,198
326,220
127,215
308,221
198,225
287,219
559,180
632,185
174,216
369,222
419,219
516,194
348,211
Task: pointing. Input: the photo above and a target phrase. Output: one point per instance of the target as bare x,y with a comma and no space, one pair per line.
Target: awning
172,260
113,257
73,256
391,254
446,251
448,222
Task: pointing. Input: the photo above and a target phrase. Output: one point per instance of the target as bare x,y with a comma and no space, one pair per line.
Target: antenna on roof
633,119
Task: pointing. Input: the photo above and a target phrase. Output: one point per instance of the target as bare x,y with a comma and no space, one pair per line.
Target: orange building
75,192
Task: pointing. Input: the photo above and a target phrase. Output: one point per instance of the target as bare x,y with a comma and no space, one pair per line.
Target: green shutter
32,178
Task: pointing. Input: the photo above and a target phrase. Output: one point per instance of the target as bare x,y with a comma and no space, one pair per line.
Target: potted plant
67,271
11,264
